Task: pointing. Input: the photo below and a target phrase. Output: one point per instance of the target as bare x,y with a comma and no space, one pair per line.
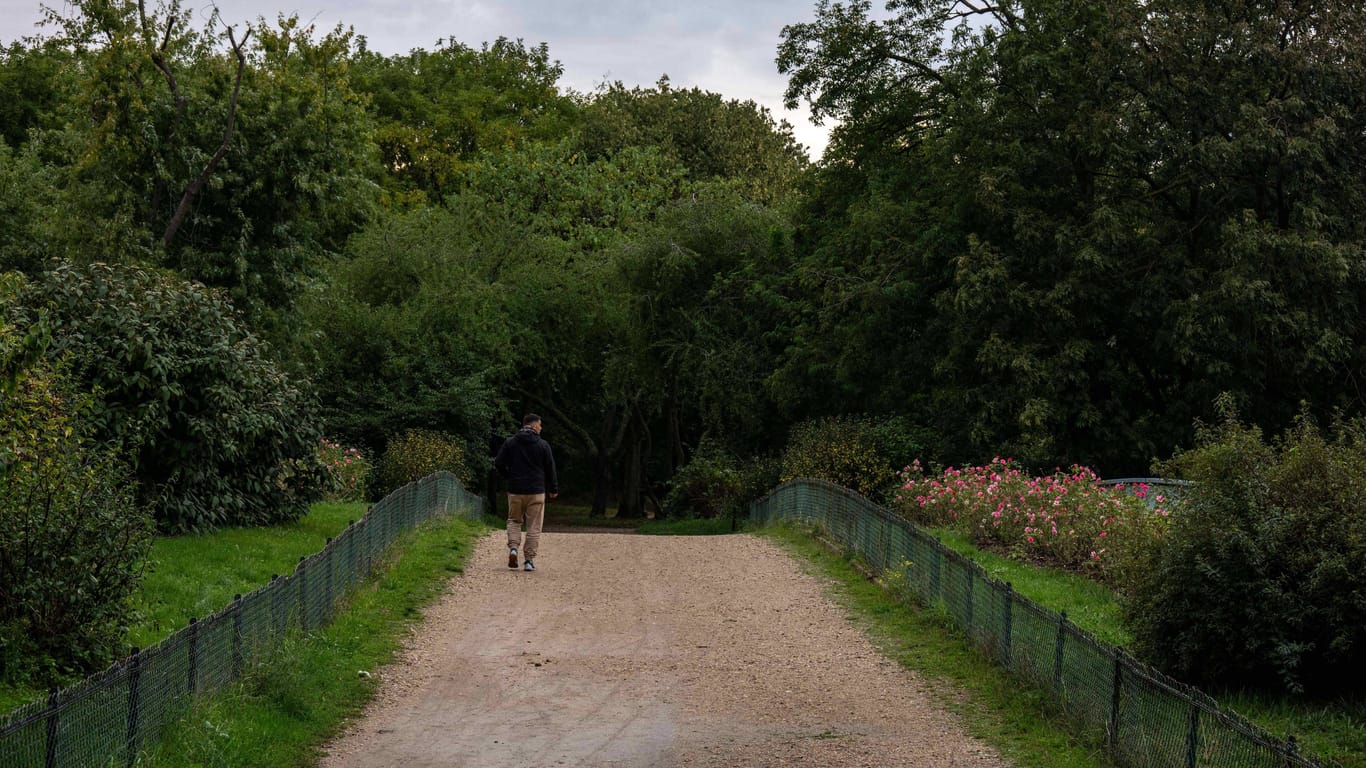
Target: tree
436,111
712,137
217,434
1098,214
239,157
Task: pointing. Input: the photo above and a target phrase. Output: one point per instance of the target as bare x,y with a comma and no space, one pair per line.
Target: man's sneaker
512,558
530,566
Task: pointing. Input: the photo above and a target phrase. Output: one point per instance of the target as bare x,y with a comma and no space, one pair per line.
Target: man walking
527,464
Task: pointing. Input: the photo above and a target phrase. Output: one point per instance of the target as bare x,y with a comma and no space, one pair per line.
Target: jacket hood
526,436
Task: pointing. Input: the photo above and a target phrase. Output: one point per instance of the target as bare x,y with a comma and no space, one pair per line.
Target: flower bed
1064,519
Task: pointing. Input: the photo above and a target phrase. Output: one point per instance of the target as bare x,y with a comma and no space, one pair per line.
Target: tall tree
1104,213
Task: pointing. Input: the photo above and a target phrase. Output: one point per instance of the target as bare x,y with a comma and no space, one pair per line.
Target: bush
1063,519
710,485
1262,580
416,454
348,473
72,536
848,451
219,435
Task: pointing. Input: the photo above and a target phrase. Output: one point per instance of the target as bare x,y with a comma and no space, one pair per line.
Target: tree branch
192,192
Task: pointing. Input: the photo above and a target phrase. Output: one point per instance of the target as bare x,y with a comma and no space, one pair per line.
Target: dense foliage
857,452
217,434
72,536
415,454
1059,229
1262,580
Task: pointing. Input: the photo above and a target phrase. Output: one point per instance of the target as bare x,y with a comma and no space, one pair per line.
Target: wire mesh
110,717
1144,718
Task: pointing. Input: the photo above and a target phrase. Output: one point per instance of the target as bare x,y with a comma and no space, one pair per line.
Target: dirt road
630,650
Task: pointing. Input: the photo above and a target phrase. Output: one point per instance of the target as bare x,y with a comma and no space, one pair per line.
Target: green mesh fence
1144,718
109,717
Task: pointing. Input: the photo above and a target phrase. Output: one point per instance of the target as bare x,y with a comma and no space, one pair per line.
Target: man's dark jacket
527,464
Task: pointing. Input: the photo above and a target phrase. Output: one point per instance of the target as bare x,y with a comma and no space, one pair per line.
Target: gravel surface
627,650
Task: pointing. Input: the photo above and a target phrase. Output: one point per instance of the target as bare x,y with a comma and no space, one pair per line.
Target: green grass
1019,722
193,576
1336,730
286,708
1089,605
690,527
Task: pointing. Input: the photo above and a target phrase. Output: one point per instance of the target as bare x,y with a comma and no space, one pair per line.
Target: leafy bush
348,473
416,454
1262,580
710,485
848,451
72,536
218,434
1064,519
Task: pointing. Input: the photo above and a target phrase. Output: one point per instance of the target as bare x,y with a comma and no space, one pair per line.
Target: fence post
937,590
302,570
131,737
236,636
51,759
193,631
967,620
1193,736
275,623
1057,652
1116,686
1005,633
328,555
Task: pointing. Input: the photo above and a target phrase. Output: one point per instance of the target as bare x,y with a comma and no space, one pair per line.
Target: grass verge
690,527
195,575
1332,729
286,707
1020,723
1089,605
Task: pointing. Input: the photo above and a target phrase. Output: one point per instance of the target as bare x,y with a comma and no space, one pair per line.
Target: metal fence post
1057,651
1116,686
236,636
937,588
302,571
967,620
131,737
328,555
51,758
1193,736
1005,634
193,634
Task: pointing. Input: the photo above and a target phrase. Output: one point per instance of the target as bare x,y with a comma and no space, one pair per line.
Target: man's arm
552,482
500,462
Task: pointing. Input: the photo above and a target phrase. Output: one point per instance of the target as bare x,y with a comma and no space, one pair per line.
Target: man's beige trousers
526,508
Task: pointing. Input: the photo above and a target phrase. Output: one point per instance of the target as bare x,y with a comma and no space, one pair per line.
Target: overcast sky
726,46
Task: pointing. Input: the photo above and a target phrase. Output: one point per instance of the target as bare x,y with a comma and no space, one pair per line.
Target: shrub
348,473
710,485
72,536
416,454
1262,580
219,435
842,450
1063,519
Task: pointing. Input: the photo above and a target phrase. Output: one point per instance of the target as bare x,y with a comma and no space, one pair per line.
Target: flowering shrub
1063,519
348,472
416,454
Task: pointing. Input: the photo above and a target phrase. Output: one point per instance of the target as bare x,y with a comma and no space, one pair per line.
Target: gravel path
631,650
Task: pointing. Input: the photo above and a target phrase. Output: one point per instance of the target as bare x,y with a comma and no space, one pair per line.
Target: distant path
628,650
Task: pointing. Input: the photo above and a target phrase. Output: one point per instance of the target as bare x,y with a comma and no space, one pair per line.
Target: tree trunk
629,506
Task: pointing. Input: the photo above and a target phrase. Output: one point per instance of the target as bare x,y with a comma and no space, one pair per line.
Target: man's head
533,422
